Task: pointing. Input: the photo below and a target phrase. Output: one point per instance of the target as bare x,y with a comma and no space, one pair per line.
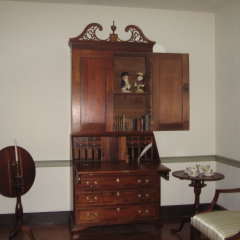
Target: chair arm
217,192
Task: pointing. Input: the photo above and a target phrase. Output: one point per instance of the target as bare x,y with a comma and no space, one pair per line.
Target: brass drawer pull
140,181
118,194
118,209
142,212
143,196
92,215
117,180
91,198
78,177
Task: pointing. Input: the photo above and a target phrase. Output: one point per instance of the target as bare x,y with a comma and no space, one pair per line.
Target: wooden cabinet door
91,91
170,91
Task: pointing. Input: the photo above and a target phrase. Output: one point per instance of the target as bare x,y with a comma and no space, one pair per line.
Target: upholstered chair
217,225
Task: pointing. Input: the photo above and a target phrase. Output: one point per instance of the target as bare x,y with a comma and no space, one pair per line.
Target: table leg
179,229
19,227
197,192
197,185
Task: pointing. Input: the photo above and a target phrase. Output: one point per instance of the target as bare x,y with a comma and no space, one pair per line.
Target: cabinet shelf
133,94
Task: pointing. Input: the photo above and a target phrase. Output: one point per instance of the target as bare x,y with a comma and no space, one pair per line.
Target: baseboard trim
63,217
39,218
178,211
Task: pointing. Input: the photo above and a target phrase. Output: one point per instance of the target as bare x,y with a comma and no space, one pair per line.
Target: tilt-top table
197,183
17,174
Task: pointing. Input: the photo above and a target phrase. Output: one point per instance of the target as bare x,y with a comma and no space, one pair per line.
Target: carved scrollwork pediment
137,35
89,34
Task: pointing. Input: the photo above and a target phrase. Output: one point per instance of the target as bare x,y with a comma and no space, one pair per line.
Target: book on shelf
128,123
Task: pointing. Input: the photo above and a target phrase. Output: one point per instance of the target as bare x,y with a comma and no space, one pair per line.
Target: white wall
228,81
50,192
232,176
228,98
35,85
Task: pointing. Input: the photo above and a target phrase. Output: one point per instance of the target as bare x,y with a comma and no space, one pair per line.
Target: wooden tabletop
201,177
15,172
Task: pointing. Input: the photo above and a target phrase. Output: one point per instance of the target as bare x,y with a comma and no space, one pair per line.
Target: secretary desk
116,168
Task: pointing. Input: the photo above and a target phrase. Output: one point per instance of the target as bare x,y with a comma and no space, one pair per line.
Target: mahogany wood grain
97,66
171,91
91,90
115,188
110,128
9,173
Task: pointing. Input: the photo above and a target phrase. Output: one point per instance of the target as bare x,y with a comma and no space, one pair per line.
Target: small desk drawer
88,181
117,213
117,197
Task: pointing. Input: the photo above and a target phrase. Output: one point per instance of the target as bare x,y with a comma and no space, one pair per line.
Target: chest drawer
100,181
117,214
117,197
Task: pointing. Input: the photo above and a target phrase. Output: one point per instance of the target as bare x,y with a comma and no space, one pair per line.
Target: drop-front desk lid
121,166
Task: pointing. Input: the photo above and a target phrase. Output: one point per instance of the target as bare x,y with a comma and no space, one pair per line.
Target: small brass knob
139,181
146,181
118,194
118,180
118,209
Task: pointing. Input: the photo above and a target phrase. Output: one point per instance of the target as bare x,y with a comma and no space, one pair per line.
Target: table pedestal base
197,185
19,227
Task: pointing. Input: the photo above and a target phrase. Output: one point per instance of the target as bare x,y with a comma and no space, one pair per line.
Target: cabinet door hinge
186,87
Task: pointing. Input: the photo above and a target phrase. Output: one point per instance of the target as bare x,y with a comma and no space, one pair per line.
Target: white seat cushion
217,225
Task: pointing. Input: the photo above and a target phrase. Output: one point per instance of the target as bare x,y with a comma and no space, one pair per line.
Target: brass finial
113,36
113,27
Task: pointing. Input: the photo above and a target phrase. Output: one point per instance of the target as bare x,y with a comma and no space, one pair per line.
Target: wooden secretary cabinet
111,125
110,185
97,101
